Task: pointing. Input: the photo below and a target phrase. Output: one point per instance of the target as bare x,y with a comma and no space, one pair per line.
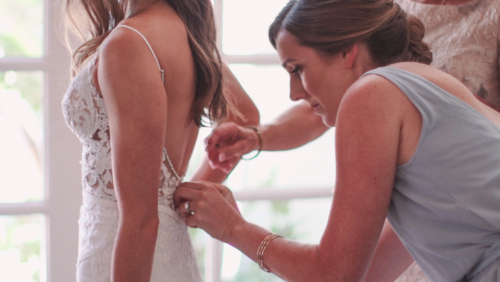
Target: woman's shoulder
158,23
122,43
373,91
378,87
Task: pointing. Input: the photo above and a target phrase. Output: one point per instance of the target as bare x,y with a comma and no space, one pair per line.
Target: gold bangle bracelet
261,144
262,249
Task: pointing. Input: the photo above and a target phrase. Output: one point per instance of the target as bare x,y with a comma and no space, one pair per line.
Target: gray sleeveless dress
445,205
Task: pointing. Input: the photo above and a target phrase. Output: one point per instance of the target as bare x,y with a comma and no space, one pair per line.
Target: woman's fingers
209,206
227,143
185,192
221,135
234,151
184,209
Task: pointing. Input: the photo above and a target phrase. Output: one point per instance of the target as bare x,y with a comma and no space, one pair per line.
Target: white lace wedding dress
174,258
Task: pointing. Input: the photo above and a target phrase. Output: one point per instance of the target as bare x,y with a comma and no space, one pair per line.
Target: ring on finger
186,205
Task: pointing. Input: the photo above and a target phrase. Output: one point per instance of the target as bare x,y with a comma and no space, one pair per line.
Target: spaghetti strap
162,72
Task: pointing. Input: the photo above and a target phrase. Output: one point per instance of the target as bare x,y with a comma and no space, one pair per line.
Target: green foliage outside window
21,28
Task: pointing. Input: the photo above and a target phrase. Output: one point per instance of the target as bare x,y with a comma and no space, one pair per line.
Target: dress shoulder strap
150,48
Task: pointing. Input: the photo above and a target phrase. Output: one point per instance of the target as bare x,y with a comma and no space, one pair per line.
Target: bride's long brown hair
93,20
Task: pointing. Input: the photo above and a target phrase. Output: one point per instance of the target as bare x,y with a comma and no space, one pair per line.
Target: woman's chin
328,122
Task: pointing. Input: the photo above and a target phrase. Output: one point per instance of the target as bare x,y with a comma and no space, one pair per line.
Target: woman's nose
297,91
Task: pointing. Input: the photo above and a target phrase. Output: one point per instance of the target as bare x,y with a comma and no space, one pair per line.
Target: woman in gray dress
403,133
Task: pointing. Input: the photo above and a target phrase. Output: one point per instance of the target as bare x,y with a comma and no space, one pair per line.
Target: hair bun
420,51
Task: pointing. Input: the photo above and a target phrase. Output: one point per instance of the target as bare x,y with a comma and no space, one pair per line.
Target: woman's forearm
294,128
287,259
206,173
134,251
248,115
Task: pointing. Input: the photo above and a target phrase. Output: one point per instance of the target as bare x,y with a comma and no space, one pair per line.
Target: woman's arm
293,128
367,136
391,258
136,102
249,117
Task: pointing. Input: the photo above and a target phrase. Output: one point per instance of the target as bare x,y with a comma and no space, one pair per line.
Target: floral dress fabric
464,41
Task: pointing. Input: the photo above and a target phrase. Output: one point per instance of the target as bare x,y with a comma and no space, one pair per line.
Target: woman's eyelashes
296,70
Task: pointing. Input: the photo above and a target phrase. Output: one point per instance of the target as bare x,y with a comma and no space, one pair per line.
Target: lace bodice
464,41
85,113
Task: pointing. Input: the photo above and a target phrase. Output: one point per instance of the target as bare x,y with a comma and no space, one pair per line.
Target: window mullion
260,59
23,208
23,64
62,155
218,22
255,194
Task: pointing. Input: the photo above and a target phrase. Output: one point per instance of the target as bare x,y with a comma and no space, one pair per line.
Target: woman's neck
137,6
443,2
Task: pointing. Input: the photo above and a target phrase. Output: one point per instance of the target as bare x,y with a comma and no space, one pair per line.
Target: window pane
309,166
21,28
246,24
22,248
21,121
200,239
300,220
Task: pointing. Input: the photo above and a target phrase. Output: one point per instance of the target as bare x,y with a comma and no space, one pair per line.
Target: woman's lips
315,108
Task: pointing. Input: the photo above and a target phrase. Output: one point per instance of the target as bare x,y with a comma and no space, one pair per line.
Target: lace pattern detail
464,40
174,255
98,225
85,114
412,274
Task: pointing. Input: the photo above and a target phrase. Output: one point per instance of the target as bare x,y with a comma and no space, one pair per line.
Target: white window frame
213,255
61,153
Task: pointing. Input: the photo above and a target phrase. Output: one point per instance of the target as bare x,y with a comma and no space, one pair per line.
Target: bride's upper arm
136,104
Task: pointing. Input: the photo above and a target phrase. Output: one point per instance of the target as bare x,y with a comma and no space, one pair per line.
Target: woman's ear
350,55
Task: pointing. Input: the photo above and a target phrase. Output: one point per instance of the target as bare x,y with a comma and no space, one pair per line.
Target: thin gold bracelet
261,144
262,249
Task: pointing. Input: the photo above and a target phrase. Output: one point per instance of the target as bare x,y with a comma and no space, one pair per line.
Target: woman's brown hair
93,20
333,26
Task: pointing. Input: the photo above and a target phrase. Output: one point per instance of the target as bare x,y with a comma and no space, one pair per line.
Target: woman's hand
227,143
211,207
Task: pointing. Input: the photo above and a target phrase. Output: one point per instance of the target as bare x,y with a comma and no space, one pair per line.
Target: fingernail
222,157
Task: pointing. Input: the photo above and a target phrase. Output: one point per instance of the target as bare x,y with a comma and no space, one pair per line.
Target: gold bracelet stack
262,248
261,144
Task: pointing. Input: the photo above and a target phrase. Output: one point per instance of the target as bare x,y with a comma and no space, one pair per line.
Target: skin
377,129
140,109
294,128
250,117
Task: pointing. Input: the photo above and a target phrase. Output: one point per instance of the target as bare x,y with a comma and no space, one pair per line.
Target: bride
147,75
